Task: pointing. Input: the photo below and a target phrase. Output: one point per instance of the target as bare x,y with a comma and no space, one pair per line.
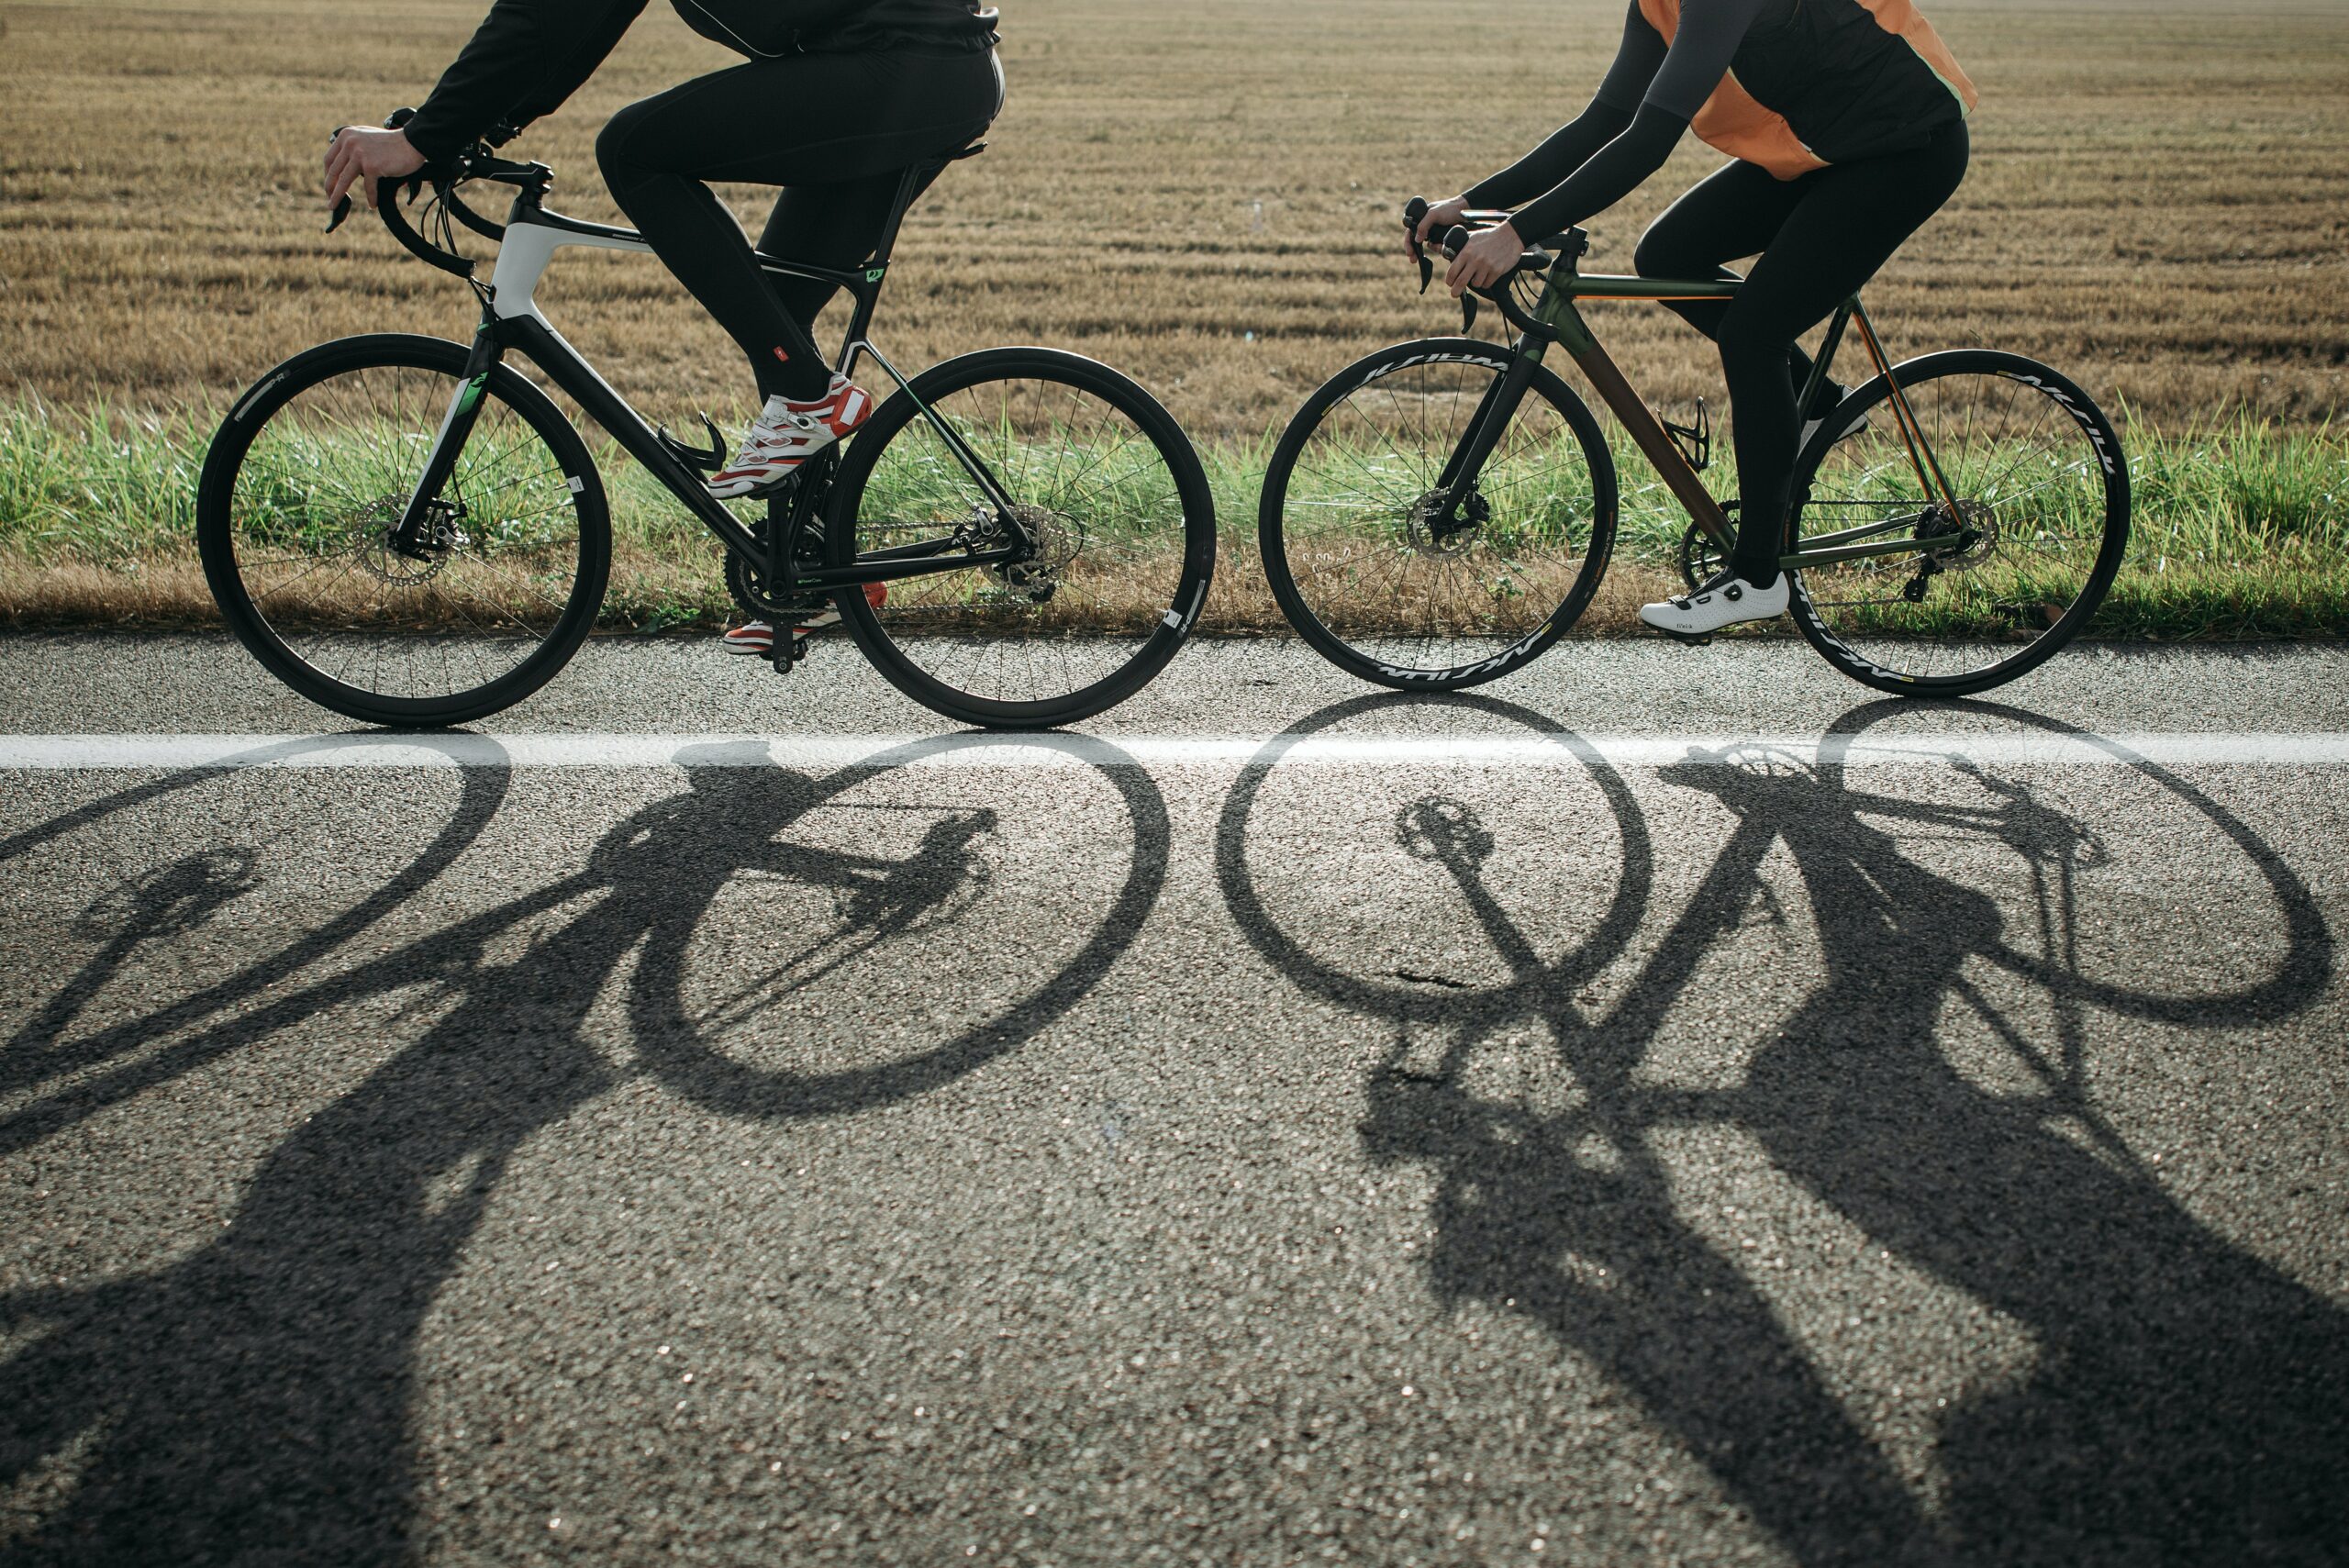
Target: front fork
415,536
1494,411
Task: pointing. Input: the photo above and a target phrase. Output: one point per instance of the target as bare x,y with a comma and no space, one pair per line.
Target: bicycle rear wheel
2038,494
306,482
1104,484
1351,549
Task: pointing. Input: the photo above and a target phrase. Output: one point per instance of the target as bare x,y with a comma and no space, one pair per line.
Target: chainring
747,586
1700,559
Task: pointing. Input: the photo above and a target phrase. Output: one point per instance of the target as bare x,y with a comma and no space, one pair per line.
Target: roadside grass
2241,531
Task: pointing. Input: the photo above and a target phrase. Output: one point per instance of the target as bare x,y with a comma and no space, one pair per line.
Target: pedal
790,647
1695,441
706,460
1691,639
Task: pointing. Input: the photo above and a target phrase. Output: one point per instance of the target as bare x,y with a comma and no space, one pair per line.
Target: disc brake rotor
1423,531
1976,518
1058,539
369,537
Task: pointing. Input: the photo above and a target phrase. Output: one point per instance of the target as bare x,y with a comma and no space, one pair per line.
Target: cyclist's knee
613,154
1655,256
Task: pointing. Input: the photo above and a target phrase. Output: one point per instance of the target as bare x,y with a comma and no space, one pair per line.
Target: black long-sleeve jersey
528,56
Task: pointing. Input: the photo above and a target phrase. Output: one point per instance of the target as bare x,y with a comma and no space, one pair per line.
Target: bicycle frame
512,323
1557,319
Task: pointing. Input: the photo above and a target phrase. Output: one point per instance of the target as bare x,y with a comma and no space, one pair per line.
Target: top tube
1597,286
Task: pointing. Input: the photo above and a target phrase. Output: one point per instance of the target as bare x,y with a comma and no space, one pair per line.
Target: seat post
910,185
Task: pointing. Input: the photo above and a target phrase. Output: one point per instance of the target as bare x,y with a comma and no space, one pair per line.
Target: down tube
545,347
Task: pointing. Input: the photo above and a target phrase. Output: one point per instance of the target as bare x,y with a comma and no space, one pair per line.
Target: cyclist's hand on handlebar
1437,223
361,155
1485,260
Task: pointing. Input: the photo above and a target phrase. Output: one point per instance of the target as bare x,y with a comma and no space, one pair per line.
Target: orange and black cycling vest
1835,80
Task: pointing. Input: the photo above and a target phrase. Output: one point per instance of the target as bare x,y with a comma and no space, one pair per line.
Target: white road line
2007,747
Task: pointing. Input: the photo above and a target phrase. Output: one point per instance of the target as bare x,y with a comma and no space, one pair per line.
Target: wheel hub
1055,540
372,536
1978,524
1425,527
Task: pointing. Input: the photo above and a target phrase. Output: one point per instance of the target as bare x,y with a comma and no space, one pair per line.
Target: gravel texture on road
882,1159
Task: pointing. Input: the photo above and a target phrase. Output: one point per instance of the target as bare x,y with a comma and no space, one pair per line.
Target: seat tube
456,428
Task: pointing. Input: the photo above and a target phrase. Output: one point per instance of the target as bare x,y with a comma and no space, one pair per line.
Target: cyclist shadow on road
254,1399
2184,1402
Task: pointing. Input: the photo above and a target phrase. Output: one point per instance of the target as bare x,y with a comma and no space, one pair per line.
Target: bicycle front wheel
1115,507
2017,469
304,485
1367,558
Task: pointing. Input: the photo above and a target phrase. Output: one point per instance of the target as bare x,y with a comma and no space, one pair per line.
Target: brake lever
1413,211
341,211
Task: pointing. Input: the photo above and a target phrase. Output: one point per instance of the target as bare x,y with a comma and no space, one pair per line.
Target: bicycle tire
1273,533
1130,647
1830,467
567,481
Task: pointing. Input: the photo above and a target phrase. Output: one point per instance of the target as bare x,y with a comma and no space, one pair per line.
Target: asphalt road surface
1671,1106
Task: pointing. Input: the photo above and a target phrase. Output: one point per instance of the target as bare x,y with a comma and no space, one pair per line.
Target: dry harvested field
1198,190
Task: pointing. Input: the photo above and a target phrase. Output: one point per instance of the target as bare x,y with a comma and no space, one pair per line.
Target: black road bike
408,530
1442,511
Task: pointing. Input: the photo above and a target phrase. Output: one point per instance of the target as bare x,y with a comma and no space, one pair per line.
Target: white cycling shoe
787,434
1726,600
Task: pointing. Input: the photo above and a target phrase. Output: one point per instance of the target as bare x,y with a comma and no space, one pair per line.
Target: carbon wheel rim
2026,475
1373,556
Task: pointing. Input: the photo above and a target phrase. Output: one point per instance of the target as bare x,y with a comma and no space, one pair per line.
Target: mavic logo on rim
1507,656
1484,360
2079,416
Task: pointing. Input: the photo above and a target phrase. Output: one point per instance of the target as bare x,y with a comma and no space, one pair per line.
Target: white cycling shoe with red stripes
756,639
787,434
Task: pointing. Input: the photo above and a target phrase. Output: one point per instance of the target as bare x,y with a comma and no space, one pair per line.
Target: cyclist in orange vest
1847,122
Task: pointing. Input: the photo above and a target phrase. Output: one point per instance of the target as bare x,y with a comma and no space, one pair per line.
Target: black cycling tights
1821,236
836,131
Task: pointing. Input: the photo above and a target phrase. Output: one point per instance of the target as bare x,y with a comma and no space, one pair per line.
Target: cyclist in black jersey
1847,122
835,99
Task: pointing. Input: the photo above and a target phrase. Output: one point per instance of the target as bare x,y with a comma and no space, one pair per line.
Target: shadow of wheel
741,1060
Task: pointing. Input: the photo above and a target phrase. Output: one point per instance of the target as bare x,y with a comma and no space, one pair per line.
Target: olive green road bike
1442,511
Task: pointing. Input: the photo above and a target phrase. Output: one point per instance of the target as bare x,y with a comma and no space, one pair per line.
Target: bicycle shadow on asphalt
2183,1404
254,1399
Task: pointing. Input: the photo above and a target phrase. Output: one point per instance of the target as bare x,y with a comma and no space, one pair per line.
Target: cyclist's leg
776,122
1734,211
1846,224
831,223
